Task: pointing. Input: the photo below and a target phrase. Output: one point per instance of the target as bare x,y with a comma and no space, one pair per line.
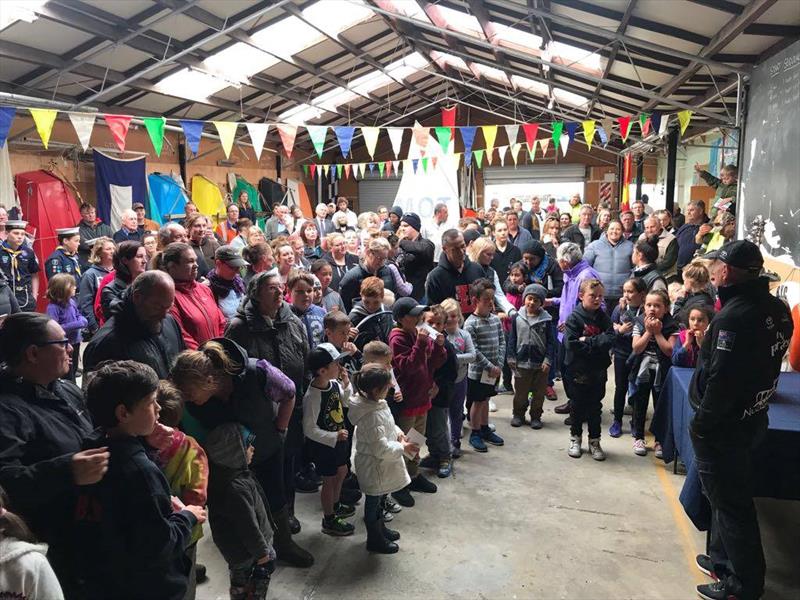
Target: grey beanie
537,290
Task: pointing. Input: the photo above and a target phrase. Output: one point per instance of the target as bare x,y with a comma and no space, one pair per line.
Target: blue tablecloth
776,460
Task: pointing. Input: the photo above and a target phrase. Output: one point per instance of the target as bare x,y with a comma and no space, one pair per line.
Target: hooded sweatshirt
197,313
25,573
588,359
445,281
414,361
573,277
531,341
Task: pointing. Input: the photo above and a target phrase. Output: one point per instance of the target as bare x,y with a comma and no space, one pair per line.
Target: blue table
776,460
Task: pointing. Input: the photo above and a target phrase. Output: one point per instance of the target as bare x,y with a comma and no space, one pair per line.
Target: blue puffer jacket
531,341
612,263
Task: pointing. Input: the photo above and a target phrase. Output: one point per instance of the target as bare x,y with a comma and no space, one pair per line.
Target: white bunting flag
258,135
83,124
396,138
370,139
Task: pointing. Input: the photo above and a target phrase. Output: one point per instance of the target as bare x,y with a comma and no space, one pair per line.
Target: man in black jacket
416,254
140,328
584,232
737,374
373,264
454,273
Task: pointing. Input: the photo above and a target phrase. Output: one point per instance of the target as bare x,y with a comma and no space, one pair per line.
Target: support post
639,174
672,159
182,162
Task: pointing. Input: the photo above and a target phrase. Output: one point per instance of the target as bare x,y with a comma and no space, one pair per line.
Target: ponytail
193,367
371,377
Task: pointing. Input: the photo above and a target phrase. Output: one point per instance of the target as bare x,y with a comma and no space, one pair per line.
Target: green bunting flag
305,170
558,127
381,167
317,134
478,157
339,169
425,165
155,129
443,134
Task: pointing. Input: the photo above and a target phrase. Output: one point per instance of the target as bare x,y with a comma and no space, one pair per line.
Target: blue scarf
539,273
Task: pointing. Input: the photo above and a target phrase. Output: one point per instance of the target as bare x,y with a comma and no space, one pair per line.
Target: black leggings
269,474
621,373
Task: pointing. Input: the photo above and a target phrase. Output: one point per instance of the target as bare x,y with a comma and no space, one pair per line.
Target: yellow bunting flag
588,132
227,133
683,118
370,139
489,134
544,144
44,119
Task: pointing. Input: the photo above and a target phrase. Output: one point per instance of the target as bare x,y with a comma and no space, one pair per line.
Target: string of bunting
563,133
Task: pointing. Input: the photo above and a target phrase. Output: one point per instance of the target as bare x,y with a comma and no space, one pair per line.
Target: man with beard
140,328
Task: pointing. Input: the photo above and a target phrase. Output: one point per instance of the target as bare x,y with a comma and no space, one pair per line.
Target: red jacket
197,313
414,362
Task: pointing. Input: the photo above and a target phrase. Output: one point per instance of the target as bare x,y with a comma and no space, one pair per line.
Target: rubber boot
286,549
376,542
389,534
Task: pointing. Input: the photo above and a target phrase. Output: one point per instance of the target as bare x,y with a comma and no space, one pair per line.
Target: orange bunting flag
118,125
288,133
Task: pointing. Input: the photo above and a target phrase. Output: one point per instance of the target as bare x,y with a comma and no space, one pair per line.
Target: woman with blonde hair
101,261
551,235
481,252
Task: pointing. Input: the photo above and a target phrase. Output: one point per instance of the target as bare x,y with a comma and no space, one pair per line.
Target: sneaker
445,469
639,449
305,485
706,565
343,511
517,421
491,437
429,462
200,573
550,394
389,505
311,473
476,441
404,497
715,591
568,421
562,409
294,525
615,430
659,452
492,427
492,405
387,516
420,484
575,450
595,450
336,526
536,423
457,452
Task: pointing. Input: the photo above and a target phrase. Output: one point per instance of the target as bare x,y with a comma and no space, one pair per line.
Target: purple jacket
70,319
569,294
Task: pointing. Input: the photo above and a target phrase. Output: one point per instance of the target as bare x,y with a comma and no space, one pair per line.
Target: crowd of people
226,369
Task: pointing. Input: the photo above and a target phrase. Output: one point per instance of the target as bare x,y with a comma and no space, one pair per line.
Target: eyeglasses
63,343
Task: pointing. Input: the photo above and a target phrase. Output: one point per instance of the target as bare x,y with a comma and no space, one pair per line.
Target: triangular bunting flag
414,164
608,127
531,131
155,129
544,144
339,169
118,125
305,170
489,155
362,168
370,139
564,143
655,121
227,133
389,165
6,118
84,123
344,135
512,131
683,119
489,134
644,124
624,127
288,133
449,119
468,159
515,152
381,167
313,169
347,170
601,131
588,133
571,129
325,169
425,164
317,134
443,134
557,127
421,136
468,137
371,167
396,138
501,152
44,118
434,160
258,135
531,151
478,158
192,131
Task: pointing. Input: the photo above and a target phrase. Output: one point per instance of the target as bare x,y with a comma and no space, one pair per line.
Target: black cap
741,254
323,355
404,307
470,235
413,220
231,256
396,210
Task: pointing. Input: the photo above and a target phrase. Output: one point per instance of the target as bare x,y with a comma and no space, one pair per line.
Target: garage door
377,191
533,174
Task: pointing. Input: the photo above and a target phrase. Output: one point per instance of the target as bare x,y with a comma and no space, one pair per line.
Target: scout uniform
20,266
61,261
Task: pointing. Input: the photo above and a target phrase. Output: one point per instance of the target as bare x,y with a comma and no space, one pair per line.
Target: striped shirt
490,343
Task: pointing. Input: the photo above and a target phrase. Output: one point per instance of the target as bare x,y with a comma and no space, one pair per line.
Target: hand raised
89,466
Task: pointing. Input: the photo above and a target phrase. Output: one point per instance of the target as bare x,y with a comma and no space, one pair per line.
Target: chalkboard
770,166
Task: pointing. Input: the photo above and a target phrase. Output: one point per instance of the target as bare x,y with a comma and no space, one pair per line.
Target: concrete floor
527,521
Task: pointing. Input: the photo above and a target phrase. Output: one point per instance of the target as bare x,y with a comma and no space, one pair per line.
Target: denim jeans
437,430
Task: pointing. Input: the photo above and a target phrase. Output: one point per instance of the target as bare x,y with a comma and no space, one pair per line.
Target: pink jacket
414,362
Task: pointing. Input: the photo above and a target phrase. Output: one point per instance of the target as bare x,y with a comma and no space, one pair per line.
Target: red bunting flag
313,169
347,169
118,125
624,127
449,120
531,130
389,164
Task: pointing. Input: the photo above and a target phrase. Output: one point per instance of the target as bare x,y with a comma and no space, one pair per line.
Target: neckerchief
71,256
14,260
539,273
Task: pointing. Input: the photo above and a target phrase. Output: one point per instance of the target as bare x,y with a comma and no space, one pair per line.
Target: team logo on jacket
725,340
590,330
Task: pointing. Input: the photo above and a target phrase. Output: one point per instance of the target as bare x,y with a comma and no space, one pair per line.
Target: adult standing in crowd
534,219
481,252
736,376
517,235
259,258
629,231
225,282
169,233
453,275
130,261
340,259
43,427
678,218
373,264
584,232
90,228
202,241
140,327
129,228
143,224
506,254
246,210
637,208
575,208
64,258
603,219
323,224
726,186
343,208
551,235
312,246
278,224
416,254
228,229
665,219
686,234
667,247
392,224
20,266
195,308
644,257
101,263
434,229
611,258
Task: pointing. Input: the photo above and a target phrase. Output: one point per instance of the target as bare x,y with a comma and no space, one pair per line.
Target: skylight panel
458,20
530,85
443,58
408,8
12,11
239,62
516,38
570,54
569,97
365,84
335,16
300,114
335,97
191,84
406,66
480,70
287,37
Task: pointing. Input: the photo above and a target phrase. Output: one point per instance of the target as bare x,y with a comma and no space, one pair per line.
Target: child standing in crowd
622,317
415,357
465,354
236,512
687,348
513,288
588,337
370,317
695,291
530,350
63,309
331,300
380,445
324,428
301,292
654,336
438,427
490,350
24,570
130,535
